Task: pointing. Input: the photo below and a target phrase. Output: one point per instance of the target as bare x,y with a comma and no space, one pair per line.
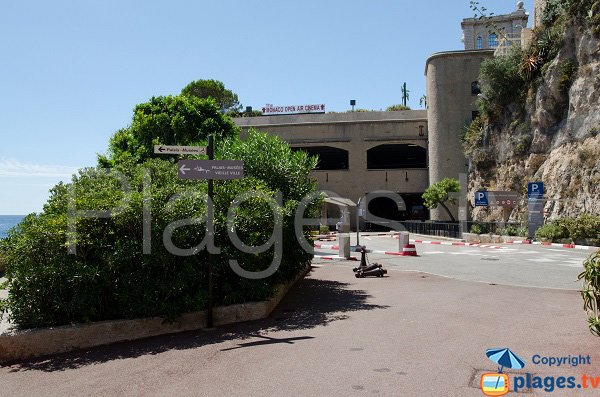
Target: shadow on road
311,303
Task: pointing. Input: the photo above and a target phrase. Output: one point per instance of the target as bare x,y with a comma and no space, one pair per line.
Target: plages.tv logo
498,383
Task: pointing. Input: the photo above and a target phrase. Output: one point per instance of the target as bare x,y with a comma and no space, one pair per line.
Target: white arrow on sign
183,169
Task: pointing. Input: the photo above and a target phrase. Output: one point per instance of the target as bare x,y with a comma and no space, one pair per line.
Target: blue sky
72,71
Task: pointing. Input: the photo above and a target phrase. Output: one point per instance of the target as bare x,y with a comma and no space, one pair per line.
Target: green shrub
552,10
111,278
513,230
552,232
502,82
396,108
568,71
479,228
591,291
473,135
585,226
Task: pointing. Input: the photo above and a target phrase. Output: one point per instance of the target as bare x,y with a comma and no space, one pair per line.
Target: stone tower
538,11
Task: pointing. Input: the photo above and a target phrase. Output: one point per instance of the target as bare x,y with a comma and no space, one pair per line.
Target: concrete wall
449,76
355,132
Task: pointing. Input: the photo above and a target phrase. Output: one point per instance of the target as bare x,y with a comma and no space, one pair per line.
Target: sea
7,222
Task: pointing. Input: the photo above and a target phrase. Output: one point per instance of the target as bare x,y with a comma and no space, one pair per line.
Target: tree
170,120
226,99
110,276
396,108
439,194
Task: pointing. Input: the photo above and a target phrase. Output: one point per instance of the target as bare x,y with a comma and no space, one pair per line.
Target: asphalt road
409,334
517,265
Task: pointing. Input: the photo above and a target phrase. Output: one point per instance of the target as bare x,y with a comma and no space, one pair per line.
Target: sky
71,72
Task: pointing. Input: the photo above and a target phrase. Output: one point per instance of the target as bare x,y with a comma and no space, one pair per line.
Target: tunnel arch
395,156
330,158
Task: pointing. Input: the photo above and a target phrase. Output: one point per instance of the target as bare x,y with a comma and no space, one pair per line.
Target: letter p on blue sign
481,199
535,189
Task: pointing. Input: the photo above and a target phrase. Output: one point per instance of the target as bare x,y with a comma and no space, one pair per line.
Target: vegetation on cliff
539,115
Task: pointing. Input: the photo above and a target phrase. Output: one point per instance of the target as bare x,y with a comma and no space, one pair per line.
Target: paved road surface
524,265
410,334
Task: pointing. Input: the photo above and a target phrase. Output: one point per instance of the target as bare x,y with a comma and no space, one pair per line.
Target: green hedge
111,278
585,226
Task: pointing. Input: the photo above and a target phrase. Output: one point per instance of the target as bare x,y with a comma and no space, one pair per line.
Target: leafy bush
480,228
476,229
585,226
591,291
568,70
110,277
170,120
552,232
473,135
502,82
552,10
513,230
396,108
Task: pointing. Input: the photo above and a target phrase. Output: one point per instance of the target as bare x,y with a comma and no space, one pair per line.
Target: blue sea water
7,222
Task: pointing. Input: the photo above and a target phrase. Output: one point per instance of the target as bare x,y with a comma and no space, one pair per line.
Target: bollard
403,239
344,245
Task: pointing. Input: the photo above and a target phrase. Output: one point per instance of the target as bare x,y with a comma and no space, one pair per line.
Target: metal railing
452,229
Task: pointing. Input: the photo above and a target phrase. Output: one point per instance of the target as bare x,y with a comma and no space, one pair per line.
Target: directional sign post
166,149
206,170
210,169
535,207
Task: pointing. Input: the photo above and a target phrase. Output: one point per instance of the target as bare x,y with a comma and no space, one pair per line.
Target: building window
475,89
493,40
395,156
330,158
479,43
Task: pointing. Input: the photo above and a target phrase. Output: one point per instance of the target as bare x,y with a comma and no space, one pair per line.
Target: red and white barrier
334,258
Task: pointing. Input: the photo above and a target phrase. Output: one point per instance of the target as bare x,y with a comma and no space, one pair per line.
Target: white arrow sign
166,149
183,169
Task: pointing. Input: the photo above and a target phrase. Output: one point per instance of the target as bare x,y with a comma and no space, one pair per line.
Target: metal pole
358,222
209,311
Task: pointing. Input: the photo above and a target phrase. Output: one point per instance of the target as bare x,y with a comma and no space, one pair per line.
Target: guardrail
452,229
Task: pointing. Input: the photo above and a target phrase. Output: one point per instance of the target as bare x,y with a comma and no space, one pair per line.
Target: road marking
541,260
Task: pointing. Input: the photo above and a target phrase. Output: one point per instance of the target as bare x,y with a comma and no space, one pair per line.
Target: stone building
452,92
481,34
361,152
402,152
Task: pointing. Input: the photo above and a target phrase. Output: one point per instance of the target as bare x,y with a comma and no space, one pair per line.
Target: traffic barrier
409,250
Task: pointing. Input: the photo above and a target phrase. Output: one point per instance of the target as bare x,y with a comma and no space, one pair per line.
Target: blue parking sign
481,199
535,189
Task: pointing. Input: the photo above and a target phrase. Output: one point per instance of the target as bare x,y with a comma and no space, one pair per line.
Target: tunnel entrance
330,158
395,156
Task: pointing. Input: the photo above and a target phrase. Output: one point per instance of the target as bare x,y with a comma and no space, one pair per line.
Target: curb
579,247
25,344
335,258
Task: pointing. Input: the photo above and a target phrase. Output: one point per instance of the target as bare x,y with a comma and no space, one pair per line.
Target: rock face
556,139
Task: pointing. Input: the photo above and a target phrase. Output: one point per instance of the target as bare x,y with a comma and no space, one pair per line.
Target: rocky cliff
552,134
